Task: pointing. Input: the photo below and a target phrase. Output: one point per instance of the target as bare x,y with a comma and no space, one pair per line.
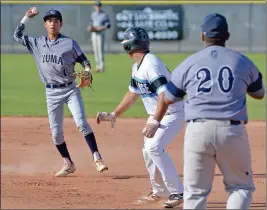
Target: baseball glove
85,77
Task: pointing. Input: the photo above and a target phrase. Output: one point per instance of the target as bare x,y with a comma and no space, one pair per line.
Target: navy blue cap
215,26
98,3
53,13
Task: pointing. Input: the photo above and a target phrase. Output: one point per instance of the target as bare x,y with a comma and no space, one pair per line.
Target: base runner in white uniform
149,79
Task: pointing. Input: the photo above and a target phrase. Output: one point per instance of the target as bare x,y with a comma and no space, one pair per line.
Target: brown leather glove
85,77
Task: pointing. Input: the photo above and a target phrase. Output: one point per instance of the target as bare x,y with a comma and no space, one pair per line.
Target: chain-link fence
247,26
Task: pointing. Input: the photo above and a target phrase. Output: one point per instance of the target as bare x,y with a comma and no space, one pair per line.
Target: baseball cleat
66,170
149,198
174,200
100,166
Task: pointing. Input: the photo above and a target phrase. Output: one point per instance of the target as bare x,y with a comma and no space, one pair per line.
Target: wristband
112,114
151,120
113,120
25,20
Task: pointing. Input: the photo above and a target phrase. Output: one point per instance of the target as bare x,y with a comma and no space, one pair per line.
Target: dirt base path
29,161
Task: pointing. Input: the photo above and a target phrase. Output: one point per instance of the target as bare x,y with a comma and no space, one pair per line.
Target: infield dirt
29,161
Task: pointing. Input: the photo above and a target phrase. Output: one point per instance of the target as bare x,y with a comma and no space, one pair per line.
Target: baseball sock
63,150
91,141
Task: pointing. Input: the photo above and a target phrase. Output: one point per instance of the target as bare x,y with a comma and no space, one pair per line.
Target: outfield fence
175,25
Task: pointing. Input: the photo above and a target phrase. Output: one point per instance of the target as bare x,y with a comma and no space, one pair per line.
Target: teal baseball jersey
149,79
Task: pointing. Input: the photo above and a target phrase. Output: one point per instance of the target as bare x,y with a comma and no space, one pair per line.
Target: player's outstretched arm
18,34
127,101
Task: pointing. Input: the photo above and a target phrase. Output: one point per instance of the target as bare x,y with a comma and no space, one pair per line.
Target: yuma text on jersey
52,59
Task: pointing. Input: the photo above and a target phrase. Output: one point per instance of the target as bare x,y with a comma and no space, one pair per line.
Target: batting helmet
135,39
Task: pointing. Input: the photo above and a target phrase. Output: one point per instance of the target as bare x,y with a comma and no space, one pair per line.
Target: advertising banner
161,22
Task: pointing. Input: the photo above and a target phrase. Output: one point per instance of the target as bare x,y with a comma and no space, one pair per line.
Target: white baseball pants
163,175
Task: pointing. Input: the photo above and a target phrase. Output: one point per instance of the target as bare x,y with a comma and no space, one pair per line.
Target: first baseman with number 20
216,81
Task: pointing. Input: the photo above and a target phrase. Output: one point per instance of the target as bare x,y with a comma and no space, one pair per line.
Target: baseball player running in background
56,56
149,78
216,80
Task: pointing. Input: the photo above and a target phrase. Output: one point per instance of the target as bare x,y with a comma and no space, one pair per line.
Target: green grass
23,93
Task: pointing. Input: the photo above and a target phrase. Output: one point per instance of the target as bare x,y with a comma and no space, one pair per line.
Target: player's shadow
129,177
260,175
222,205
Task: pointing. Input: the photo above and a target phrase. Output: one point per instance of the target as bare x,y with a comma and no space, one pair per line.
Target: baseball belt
169,113
58,85
232,122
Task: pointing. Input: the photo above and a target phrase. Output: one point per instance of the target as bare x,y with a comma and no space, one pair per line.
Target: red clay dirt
29,161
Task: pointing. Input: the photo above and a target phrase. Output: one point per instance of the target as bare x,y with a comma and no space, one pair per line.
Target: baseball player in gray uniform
216,80
56,56
99,23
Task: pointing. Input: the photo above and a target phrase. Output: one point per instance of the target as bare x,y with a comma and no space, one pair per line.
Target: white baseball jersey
149,79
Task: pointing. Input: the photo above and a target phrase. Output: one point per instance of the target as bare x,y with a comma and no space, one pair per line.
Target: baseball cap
215,26
53,13
98,3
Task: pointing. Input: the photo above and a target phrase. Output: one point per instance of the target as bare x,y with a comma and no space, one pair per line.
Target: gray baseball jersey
55,59
216,80
99,19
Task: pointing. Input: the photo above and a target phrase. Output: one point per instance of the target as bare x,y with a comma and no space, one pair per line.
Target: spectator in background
99,23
